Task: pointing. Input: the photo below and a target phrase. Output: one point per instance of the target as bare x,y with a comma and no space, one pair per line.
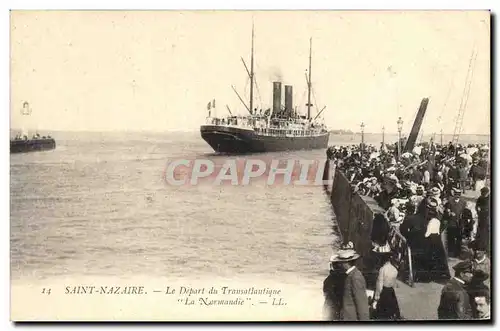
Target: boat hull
233,140
31,145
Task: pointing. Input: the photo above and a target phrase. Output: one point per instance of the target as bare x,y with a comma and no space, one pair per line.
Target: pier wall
354,214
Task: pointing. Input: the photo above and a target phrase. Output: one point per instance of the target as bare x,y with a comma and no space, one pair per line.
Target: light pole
400,127
383,135
362,136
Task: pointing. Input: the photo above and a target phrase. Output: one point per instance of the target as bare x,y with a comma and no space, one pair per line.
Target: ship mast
251,76
309,82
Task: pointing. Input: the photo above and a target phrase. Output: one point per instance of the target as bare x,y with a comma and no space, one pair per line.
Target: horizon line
196,129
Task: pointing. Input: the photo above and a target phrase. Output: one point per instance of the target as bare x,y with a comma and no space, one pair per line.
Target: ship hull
31,145
232,140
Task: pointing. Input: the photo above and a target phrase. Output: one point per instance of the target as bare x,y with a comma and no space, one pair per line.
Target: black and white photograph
250,165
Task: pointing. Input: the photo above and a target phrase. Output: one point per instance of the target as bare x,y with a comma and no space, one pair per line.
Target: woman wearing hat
380,241
390,191
433,193
385,301
436,264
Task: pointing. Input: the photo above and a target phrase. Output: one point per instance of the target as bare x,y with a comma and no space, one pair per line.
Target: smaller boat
36,144
22,144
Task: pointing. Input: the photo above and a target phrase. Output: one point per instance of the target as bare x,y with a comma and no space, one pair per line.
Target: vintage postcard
250,165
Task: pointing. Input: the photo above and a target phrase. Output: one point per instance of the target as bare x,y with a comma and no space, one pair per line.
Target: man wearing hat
418,197
453,174
399,172
483,218
426,180
464,174
478,175
415,175
480,261
333,290
354,300
455,303
453,210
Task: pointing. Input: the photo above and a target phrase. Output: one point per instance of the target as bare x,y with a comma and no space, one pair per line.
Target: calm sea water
98,205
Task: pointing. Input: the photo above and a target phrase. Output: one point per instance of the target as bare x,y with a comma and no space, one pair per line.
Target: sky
157,70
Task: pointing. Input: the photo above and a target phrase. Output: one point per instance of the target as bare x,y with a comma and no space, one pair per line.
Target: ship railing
232,122
284,132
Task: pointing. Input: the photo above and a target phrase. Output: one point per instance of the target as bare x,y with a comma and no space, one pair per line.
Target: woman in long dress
385,301
436,264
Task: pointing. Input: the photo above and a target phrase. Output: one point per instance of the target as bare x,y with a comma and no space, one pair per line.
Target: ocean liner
277,129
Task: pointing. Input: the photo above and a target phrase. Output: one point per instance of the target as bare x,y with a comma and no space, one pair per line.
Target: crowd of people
421,192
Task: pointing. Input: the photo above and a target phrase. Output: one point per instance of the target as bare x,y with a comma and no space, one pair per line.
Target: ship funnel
289,100
276,98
